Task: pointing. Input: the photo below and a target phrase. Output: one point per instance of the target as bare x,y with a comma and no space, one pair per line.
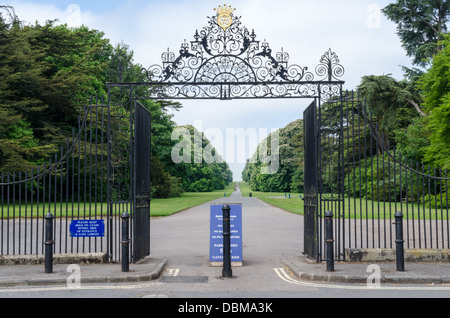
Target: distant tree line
289,176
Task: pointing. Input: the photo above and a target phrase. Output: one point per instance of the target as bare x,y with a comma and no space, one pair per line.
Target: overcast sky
365,41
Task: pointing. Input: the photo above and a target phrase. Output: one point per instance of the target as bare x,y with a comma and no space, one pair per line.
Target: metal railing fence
70,186
364,182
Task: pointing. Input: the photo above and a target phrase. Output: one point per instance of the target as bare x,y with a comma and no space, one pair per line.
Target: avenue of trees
410,115
49,73
289,177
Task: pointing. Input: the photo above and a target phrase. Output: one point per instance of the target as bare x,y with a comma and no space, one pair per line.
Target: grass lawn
166,207
75,210
158,207
355,208
291,204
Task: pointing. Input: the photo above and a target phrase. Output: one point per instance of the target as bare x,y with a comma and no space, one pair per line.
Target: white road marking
173,272
281,273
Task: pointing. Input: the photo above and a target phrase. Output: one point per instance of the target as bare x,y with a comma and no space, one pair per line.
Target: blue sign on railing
216,237
87,228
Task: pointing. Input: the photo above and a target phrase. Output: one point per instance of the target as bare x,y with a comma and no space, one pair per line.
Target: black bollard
125,243
399,242
49,243
226,272
329,240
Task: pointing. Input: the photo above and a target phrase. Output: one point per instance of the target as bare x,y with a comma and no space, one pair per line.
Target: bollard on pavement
226,272
125,243
49,243
329,240
399,242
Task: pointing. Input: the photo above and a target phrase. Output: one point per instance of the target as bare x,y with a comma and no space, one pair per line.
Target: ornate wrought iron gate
92,178
353,172
223,61
129,155
70,186
226,61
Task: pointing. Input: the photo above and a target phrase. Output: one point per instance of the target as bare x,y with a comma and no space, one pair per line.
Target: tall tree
48,73
420,25
389,101
21,71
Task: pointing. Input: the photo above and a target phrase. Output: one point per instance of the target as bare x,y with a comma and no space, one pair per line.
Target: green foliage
47,71
435,202
420,24
375,179
161,185
202,185
421,27
413,141
435,85
289,177
389,101
382,179
197,175
297,181
412,115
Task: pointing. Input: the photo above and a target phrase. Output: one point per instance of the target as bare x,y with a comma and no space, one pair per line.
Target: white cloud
31,12
305,29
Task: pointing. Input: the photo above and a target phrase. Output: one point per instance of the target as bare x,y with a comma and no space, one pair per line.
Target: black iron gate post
311,183
227,271
329,240
141,193
49,243
125,242
399,250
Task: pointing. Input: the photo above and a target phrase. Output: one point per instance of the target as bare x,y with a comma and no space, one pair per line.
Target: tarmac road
267,233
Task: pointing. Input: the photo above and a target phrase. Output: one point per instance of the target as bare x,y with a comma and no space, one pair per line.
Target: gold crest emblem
224,19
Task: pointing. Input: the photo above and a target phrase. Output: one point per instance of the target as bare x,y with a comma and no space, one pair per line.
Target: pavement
299,266
362,272
95,271
104,273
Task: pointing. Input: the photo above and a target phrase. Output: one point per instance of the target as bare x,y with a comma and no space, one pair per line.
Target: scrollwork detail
218,56
330,68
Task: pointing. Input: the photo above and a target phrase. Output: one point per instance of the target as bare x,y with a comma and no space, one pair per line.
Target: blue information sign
87,228
216,237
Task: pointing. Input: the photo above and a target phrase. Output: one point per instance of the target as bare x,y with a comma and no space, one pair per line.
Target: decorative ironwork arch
226,61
